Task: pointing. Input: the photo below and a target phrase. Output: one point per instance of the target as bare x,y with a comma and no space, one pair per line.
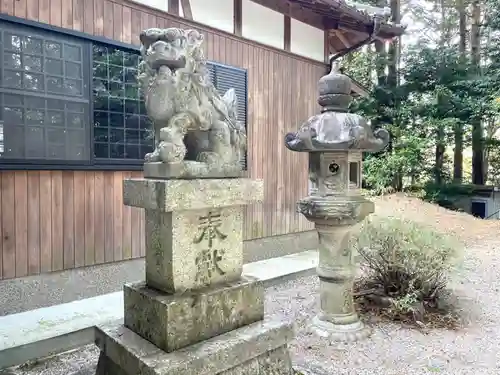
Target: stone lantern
335,140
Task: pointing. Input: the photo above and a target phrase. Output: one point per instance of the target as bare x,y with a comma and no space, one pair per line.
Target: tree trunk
491,124
440,132
381,61
393,54
458,152
368,76
486,158
491,129
439,155
392,77
477,128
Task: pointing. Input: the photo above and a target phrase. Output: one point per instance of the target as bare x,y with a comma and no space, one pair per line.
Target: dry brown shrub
407,267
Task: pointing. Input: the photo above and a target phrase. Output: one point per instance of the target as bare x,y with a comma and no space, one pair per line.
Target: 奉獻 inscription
208,261
209,228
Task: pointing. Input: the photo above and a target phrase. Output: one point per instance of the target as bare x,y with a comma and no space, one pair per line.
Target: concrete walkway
46,331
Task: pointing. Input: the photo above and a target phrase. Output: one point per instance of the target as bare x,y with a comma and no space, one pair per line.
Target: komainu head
170,47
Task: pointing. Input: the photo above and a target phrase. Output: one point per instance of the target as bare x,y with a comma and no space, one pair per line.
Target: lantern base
340,332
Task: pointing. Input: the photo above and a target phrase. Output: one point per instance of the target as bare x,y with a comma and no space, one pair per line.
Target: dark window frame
92,163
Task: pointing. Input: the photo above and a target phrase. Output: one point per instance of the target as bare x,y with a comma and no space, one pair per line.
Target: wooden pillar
186,9
288,32
327,46
237,17
173,7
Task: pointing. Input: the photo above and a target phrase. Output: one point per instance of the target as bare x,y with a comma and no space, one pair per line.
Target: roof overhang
350,23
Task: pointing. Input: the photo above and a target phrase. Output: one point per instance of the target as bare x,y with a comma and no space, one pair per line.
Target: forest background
436,90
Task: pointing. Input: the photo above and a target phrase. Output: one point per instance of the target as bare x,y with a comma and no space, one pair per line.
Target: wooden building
72,126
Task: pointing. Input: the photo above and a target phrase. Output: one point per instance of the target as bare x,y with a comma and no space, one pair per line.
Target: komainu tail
231,102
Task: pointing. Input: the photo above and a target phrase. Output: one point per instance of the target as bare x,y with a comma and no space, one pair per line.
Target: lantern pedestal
340,332
334,218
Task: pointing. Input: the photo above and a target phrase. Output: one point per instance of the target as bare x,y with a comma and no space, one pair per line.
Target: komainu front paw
152,157
171,152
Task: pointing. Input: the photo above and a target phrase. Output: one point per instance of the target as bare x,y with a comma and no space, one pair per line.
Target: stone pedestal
194,229
195,313
191,169
256,349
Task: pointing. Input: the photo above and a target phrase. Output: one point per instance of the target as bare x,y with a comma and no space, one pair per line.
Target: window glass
44,107
227,77
122,129
63,96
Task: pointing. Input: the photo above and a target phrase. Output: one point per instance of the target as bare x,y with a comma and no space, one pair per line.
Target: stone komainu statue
191,120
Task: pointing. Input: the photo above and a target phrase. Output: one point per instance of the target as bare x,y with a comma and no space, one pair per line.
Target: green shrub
407,265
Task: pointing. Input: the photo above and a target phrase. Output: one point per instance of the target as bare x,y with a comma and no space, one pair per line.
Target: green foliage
358,65
407,159
438,93
407,264
494,163
437,96
446,195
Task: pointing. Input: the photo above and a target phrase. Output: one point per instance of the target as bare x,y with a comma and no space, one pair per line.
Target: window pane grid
43,128
122,129
41,75
45,106
30,67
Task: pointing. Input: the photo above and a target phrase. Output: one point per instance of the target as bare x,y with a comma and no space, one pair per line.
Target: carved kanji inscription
208,260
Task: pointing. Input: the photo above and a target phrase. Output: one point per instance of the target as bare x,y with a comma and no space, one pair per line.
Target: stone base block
193,229
259,348
175,321
189,169
188,250
340,332
182,195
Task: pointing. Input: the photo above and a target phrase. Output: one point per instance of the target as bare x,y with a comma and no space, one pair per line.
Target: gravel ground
391,350
394,350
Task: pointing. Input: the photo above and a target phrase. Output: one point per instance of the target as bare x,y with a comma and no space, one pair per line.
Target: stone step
50,330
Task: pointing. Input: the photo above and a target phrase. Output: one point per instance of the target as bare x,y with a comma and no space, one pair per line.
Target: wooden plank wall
67,219
56,220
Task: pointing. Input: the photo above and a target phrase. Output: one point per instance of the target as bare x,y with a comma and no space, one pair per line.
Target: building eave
342,13
349,23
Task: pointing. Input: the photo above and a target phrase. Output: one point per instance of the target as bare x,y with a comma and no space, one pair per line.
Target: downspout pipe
375,29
